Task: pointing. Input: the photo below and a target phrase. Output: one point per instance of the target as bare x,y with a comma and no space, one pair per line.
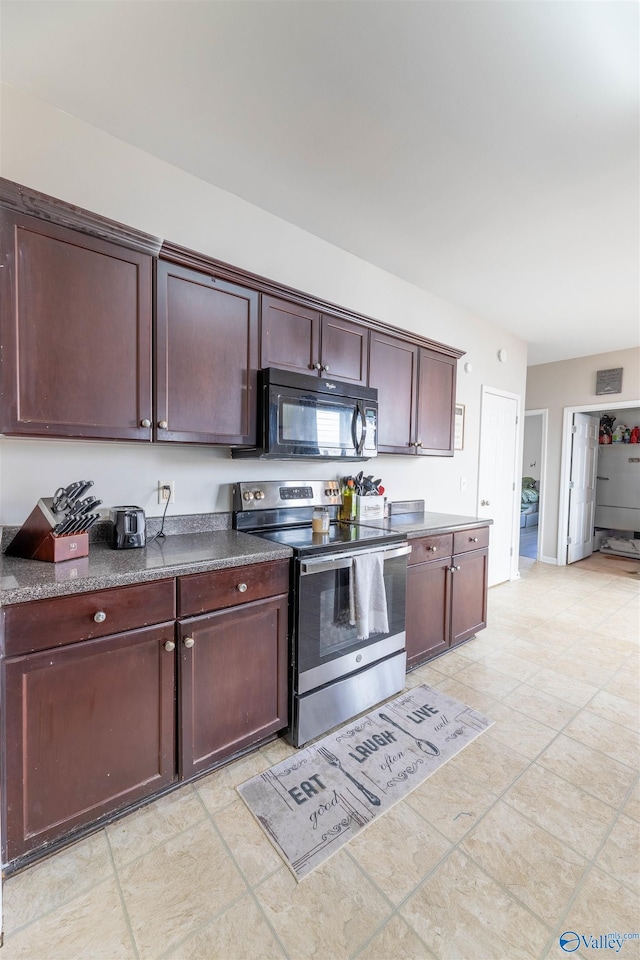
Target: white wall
572,383
51,151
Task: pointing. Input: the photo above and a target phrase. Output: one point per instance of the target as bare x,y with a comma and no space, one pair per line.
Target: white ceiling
485,151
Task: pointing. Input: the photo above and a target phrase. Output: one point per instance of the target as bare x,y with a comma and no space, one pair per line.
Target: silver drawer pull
145,423
473,539
433,548
242,587
100,616
163,424
188,642
169,646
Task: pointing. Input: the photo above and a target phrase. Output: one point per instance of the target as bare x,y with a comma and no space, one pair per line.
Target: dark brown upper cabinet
206,358
75,322
416,396
436,403
78,359
307,341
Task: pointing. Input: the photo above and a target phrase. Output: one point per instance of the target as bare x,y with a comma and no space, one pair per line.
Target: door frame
514,572
542,499
565,466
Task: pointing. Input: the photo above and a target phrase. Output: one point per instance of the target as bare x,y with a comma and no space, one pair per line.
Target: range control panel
271,494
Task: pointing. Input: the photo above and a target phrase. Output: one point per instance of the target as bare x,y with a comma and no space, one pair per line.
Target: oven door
326,640
317,425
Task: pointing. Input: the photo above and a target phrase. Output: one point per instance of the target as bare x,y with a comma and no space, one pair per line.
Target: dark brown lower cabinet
233,681
89,729
427,610
96,723
468,594
446,592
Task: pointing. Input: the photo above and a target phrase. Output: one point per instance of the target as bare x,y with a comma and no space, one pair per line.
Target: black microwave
302,417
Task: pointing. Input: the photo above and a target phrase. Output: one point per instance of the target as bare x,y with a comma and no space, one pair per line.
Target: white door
582,486
497,477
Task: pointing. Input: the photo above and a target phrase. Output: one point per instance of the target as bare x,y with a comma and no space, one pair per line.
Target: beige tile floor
530,831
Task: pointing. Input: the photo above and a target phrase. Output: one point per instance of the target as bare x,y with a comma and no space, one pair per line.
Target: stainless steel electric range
347,601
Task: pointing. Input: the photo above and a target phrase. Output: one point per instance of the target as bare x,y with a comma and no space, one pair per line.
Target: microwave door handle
360,415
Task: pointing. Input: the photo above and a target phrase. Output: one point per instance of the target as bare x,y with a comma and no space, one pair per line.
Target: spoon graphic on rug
333,761
425,745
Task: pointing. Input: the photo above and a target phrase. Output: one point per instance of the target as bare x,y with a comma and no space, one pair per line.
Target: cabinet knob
485,503
188,642
100,616
145,423
473,539
419,443
242,588
316,366
433,548
163,424
169,646
326,368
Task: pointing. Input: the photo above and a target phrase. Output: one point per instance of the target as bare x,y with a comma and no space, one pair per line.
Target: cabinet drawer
431,548
464,540
41,624
233,585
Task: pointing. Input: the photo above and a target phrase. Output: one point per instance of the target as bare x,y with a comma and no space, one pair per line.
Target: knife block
35,539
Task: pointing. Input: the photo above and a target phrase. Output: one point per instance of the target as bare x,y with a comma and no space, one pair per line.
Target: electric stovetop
341,536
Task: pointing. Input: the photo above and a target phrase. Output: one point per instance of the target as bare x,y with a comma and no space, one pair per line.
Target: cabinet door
393,368
436,404
344,350
468,595
427,610
76,332
207,358
290,338
233,681
88,729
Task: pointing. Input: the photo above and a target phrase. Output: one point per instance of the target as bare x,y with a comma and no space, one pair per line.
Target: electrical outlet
166,491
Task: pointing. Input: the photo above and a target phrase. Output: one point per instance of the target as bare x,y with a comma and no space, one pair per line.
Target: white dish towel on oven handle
367,595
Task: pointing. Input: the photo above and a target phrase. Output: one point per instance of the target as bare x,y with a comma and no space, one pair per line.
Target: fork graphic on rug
333,761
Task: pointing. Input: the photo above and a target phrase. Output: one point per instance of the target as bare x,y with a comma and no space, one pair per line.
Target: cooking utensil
80,491
333,761
82,507
64,497
425,745
90,520
63,527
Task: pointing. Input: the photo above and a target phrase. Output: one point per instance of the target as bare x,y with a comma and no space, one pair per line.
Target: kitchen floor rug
314,802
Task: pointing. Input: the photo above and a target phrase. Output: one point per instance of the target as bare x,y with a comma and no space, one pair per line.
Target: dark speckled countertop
22,580
177,554
427,523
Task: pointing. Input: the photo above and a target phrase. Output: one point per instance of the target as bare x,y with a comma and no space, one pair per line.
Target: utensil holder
35,540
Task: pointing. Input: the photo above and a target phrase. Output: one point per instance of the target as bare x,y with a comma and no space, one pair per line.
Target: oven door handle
321,564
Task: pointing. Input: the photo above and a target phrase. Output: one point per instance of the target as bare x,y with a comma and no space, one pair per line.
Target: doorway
534,450
564,517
